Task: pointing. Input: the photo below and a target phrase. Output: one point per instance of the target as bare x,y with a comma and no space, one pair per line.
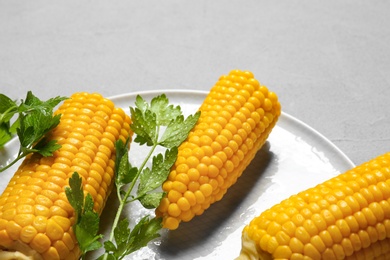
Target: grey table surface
328,61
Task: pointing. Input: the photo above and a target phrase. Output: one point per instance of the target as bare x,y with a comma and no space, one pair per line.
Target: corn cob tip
21,253
250,251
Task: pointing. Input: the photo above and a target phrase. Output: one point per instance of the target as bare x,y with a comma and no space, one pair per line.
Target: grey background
328,61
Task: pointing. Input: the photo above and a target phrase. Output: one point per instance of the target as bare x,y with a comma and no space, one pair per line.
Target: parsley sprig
155,124
86,227
148,121
31,119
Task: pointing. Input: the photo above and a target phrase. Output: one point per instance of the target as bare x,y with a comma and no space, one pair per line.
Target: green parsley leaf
125,173
87,222
5,134
33,103
120,150
177,130
148,118
151,179
109,247
46,148
165,112
75,194
87,228
122,236
128,242
34,126
141,104
144,231
8,108
88,206
151,200
122,232
34,120
144,126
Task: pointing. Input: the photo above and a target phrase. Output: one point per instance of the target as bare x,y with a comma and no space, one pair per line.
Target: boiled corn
236,118
346,217
36,218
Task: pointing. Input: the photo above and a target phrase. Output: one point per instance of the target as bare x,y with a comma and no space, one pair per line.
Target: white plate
294,158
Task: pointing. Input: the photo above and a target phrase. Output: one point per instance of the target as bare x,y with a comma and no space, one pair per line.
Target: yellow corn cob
346,217
36,218
236,118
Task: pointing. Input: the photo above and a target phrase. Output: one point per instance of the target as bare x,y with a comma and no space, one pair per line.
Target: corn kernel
174,196
174,210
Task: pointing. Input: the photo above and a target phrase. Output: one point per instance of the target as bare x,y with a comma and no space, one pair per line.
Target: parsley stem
123,201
